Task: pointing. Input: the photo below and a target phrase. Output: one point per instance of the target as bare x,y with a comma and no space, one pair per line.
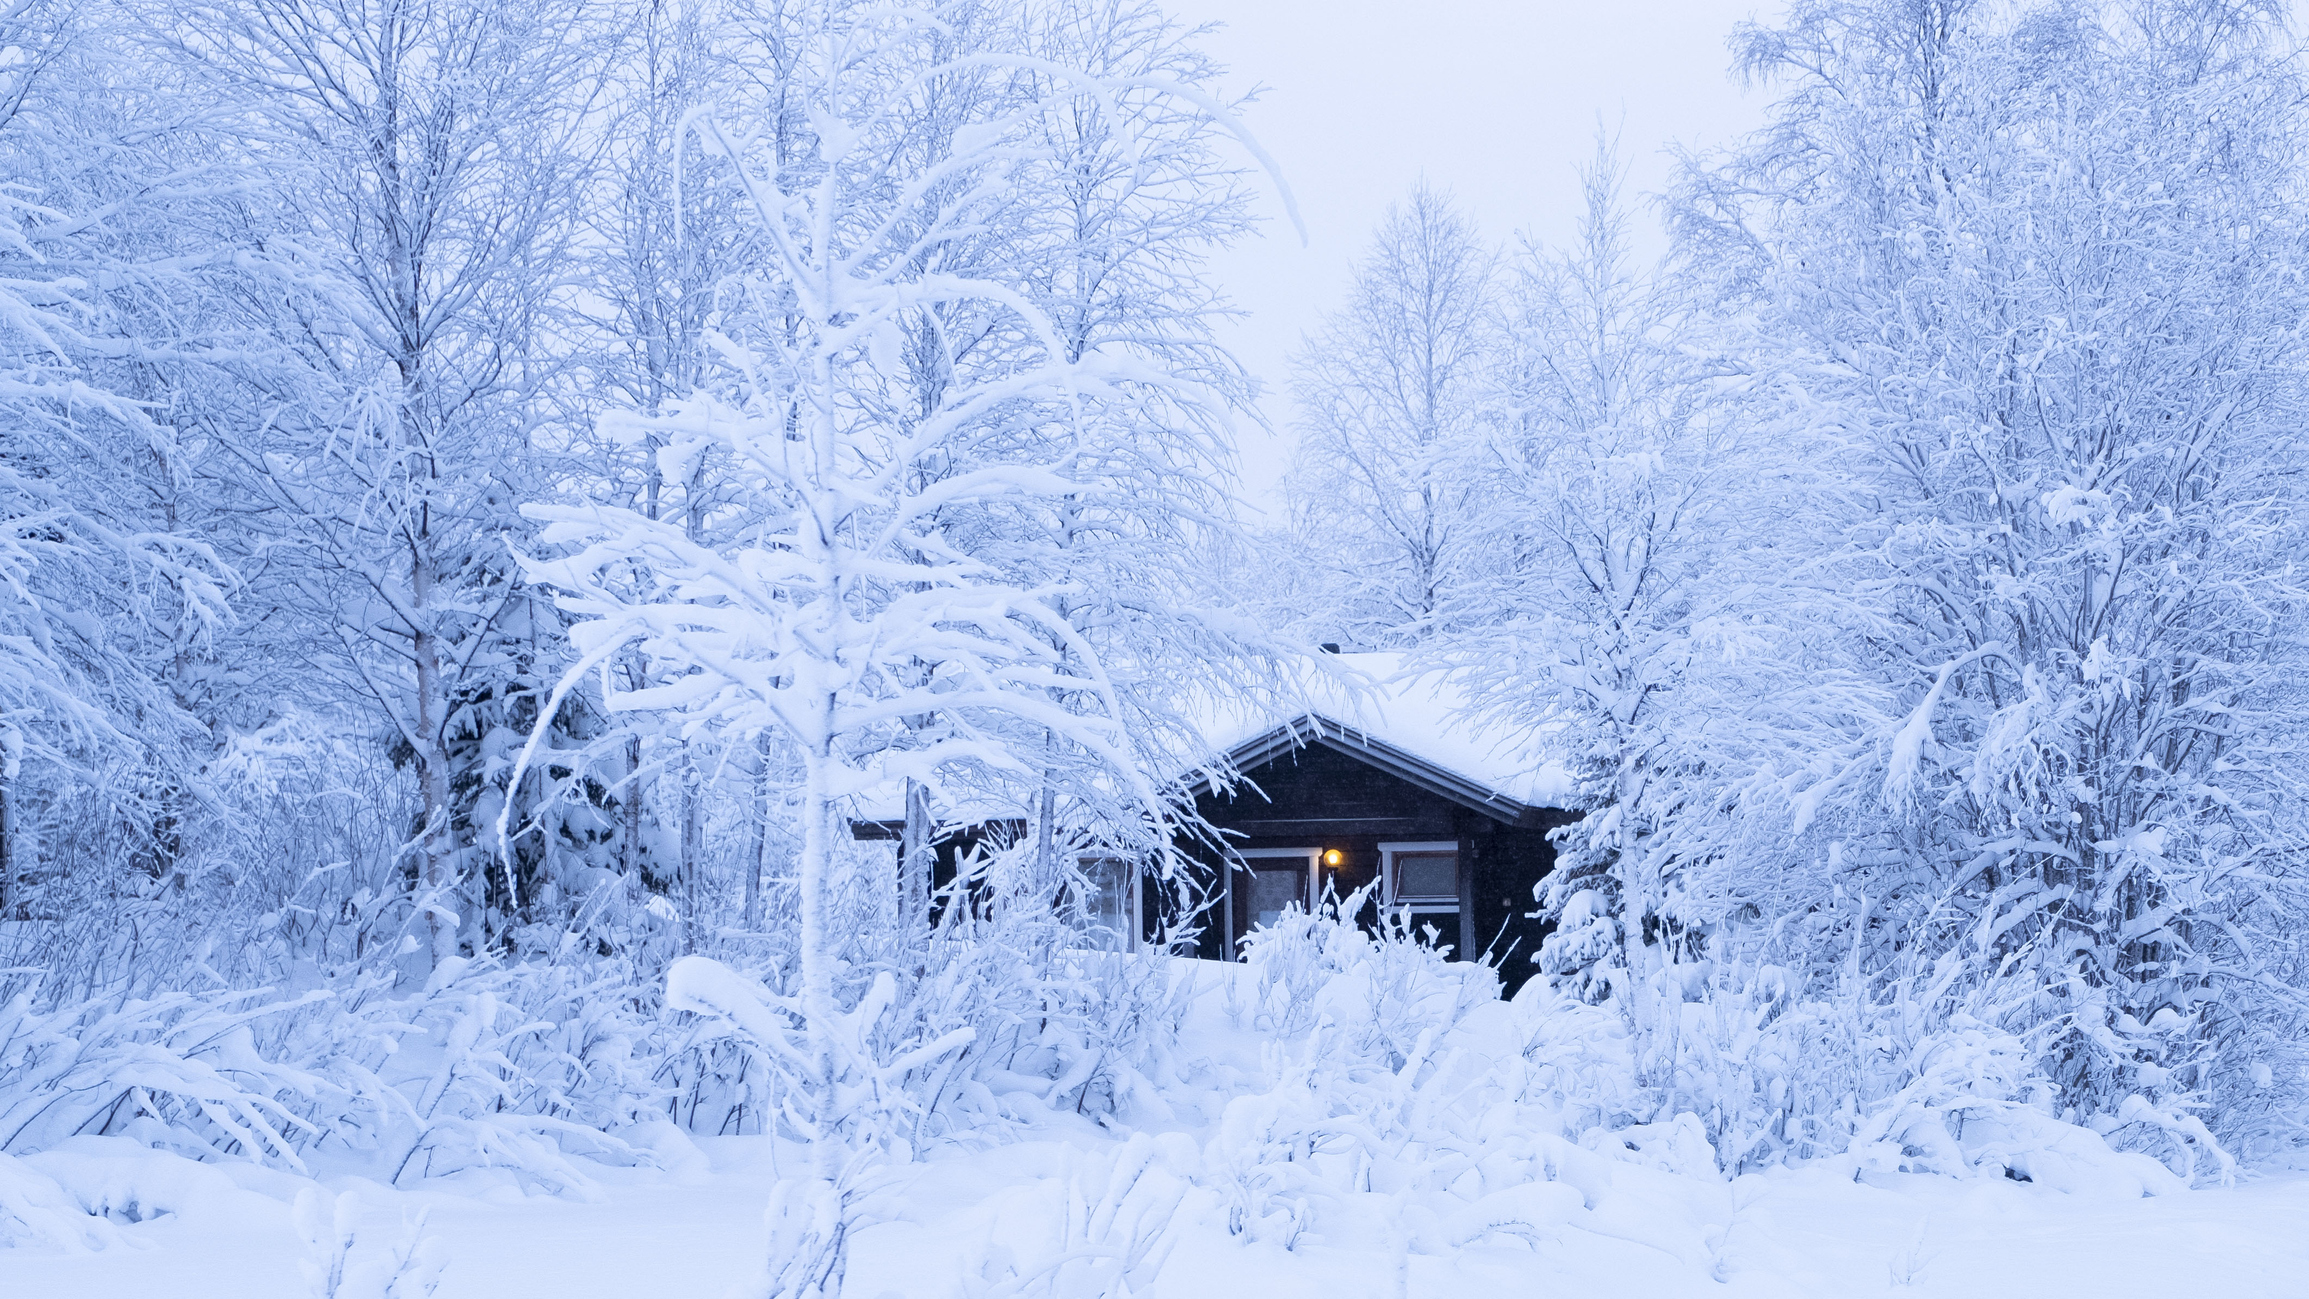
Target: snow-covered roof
1419,723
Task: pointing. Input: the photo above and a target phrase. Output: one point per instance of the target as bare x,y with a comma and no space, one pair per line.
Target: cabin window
1422,876
1427,877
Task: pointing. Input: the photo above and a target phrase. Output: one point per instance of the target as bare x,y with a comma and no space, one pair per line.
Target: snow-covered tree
956,469
101,595
2028,281
423,159
667,232
1613,493
1386,391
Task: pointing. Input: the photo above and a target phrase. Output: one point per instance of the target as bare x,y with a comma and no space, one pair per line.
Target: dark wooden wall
1320,796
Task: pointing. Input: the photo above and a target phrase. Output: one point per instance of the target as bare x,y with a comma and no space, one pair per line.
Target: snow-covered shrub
1084,1030
1290,959
508,1068
1976,1105
1408,988
517,1069
1575,1060
1407,1078
1888,1073
1003,1014
1005,1007
182,1068
1104,1225
1391,983
871,1103
342,1263
1452,1145
35,1211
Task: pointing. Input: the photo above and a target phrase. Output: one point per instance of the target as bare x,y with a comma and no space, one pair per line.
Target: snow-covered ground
1801,1233
1180,1204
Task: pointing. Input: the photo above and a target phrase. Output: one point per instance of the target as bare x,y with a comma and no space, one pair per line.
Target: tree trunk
10,903
693,893
692,797
630,813
817,962
758,860
915,861
1045,846
818,1211
436,847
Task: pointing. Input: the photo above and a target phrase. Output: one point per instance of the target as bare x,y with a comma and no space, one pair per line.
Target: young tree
940,472
668,233
1616,492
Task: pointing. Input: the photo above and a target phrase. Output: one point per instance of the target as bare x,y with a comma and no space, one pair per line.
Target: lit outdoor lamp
1333,857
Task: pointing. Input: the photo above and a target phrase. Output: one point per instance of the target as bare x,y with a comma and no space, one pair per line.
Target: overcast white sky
1494,100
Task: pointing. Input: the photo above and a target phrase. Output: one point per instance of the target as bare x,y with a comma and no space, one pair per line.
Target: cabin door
1278,879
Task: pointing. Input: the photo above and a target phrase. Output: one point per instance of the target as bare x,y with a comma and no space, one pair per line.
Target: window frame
1424,904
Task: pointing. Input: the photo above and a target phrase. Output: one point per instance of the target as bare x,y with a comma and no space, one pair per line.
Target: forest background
490,490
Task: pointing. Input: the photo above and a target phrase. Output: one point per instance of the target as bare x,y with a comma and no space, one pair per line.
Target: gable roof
1313,729
1419,726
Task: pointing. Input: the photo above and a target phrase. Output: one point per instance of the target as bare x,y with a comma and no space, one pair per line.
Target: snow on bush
36,1212
1512,1122
342,1262
511,1069
1104,1223
1005,1014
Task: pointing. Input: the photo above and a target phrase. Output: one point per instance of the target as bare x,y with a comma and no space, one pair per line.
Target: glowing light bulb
1334,857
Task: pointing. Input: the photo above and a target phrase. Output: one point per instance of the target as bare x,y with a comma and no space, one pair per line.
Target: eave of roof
1355,742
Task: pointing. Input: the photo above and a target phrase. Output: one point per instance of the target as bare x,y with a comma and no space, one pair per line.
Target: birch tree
425,154
1385,391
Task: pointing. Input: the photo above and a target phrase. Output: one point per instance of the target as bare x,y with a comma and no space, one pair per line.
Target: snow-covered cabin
1379,774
